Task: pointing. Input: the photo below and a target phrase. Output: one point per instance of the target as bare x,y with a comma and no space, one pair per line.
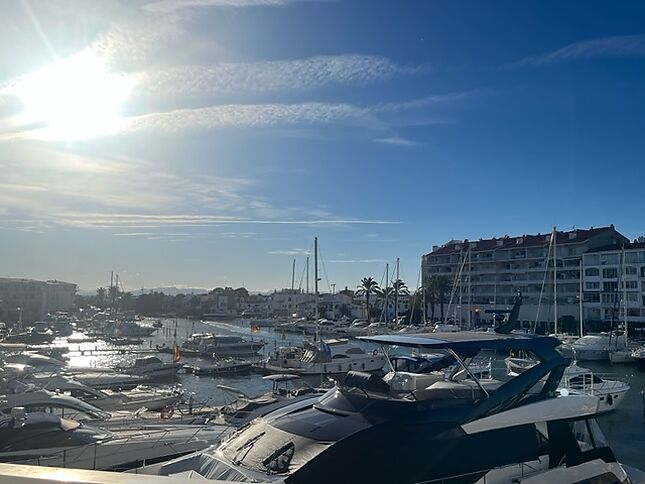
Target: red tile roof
522,241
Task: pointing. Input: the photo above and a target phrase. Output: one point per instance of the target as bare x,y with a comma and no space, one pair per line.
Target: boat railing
523,468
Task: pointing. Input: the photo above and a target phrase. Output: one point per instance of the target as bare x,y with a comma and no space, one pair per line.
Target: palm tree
399,288
384,294
100,296
367,288
440,286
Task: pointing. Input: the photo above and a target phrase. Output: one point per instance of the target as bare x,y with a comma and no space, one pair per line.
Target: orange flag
176,354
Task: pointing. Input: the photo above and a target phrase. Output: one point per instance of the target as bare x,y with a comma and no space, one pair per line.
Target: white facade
614,284
487,274
32,299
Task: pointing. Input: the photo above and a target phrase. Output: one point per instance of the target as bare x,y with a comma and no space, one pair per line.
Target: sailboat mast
111,293
316,281
396,294
555,282
387,282
625,323
470,302
307,283
423,297
293,274
582,327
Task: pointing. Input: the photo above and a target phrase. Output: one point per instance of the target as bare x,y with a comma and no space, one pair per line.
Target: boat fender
167,412
610,400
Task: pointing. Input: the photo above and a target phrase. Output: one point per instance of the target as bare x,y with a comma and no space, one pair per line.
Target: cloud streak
296,74
167,6
300,252
606,47
249,116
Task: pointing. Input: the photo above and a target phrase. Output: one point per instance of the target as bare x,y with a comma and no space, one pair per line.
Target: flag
255,329
176,354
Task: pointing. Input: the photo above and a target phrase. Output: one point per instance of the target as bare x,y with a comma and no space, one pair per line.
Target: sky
205,143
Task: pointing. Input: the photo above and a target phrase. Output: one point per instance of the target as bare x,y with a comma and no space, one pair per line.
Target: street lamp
19,318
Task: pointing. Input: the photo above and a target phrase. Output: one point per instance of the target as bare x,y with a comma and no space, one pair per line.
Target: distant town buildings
596,271
33,300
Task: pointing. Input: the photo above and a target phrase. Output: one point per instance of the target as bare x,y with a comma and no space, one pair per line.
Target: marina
320,242
205,390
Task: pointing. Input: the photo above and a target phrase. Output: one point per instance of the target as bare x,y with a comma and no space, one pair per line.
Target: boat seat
366,381
446,390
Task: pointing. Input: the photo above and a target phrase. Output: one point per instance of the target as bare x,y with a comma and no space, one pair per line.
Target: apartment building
614,283
33,300
486,274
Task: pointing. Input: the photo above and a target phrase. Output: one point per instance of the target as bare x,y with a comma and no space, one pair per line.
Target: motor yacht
595,347
31,336
132,400
610,390
357,328
34,400
130,329
219,346
223,366
244,408
48,440
329,356
152,368
450,429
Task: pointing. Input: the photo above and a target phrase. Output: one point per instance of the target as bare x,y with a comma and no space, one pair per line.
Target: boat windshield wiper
248,445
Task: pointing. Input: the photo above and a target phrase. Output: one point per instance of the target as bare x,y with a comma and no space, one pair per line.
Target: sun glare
74,98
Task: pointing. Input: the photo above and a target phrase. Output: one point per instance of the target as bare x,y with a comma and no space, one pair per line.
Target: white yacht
595,347
153,368
220,346
48,440
329,356
53,403
132,400
610,390
357,328
132,329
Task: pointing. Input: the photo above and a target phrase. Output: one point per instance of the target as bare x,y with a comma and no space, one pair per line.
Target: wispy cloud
249,116
290,252
296,74
619,46
138,220
397,141
166,6
149,234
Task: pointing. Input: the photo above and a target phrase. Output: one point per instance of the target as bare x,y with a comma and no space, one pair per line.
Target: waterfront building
486,274
614,283
33,300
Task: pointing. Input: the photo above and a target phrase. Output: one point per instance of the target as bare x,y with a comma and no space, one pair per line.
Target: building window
610,286
610,273
592,298
608,259
592,286
592,271
609,298
631,284
630,270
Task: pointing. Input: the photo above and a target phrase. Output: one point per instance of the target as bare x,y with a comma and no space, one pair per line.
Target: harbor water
624,427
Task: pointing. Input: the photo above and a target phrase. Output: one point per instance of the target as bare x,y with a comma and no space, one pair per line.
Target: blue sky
206,142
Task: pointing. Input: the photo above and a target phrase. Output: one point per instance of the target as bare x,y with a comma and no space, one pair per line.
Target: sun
74,98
